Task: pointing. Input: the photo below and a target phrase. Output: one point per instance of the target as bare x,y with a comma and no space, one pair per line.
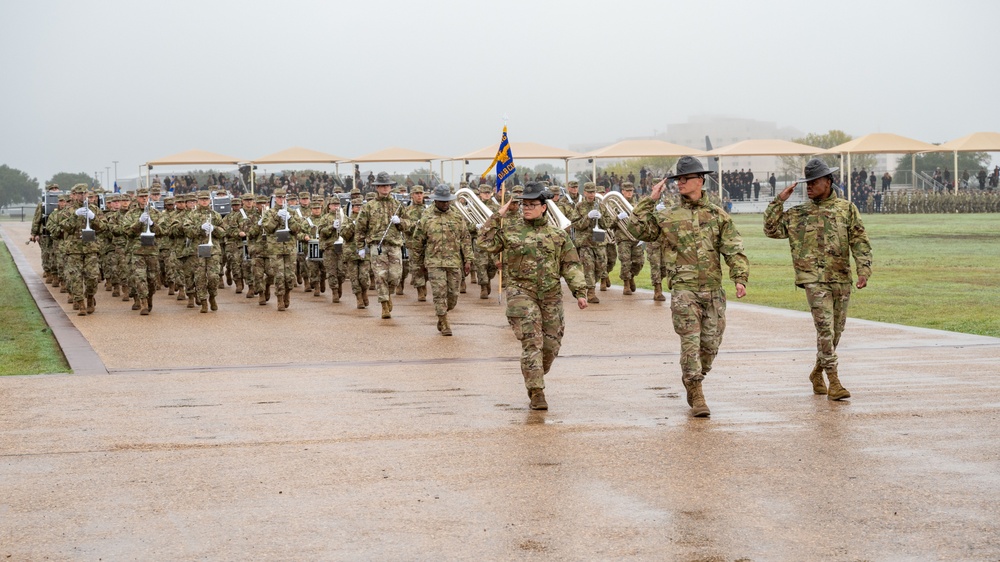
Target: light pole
97,176
107,174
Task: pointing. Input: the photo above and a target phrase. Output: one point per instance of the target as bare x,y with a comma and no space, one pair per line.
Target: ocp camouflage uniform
263,274
356,266
82,268
823,235
333,256
630,254
205,270
593,255
692,235
145,260
536,256
386,256
282,255
413,212
441,244
485,262
235,222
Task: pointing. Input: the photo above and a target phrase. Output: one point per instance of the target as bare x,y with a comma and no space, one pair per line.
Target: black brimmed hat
383,179
442,193
533,190
688,165
816,168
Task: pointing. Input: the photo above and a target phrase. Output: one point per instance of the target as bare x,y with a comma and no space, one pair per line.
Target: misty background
88,83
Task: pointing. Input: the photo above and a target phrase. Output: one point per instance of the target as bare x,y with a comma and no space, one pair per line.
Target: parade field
932,271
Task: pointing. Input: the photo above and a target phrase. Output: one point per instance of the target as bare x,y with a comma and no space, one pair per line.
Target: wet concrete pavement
337,435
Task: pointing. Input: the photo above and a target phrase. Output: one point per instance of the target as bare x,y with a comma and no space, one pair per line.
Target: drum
302,247
283,235
205,250
147,239
88,235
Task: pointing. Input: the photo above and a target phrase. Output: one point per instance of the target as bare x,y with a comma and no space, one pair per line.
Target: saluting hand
658,189
787,192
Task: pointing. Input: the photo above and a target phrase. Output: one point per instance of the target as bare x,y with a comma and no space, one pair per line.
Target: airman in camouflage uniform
282,255
441,244
333,253
536,256
592,252
315,268
823,234
40,234
486,265
412,213
82,268
259,259
145,259
355,261
235,223
629,251
379,234
693,234
203,226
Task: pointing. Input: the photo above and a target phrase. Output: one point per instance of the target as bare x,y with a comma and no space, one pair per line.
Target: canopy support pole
849,172
955,177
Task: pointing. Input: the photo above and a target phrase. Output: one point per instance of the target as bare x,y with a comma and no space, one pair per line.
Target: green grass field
27,346
933,271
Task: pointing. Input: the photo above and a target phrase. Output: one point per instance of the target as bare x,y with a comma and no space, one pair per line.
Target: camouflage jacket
692,235
413,213
192,228
373,220
535,256
272,223
583,226
347,230
441,240
132,229
822,236
38,221
69,227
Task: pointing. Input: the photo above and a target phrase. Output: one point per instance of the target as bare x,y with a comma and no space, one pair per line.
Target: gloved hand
284,214
207,227
144,218
260,221
394,219
622,215
361,253
660,206
336,224
85,212
595,214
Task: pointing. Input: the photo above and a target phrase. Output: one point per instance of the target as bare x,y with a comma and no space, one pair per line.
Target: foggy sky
89,82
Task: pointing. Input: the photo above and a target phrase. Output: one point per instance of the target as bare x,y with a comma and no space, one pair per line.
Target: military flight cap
533,190
688,165
816,168
590,187
383,179
442,193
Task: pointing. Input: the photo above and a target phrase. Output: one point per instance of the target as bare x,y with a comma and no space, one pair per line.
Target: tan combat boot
386,309
361,301
322,284
364,295
462,288
117,292
136,305
204,306
288,299
816,378
144,308
190,303
315,289
627,290
837,391
473,277
592,296
149,302
696,399
335,294
605,283
211,303
180,293
537,397
631,284
658,292
422,294
399,289
81,307
91,304
484,291
239,286
445,328
107,285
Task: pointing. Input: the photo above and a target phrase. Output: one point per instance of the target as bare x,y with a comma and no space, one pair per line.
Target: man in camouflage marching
332,245
823,234
379,234
629,251
485,262
145,257
283,230
412,213
693,234
536,256
40,233
442,246
589,244
77,227
203,227
355,262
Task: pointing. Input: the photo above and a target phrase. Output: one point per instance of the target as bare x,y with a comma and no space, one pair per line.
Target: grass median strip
933,271
27,346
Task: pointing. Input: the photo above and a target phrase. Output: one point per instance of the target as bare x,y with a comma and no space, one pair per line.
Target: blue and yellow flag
504,161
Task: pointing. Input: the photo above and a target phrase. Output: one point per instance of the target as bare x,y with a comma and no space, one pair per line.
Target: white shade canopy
395,154
882,143
765,147
194,156
976,142
522,150
649,148
299,155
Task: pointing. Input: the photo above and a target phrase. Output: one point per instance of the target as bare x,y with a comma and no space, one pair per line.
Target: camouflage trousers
595,262
611,252
387,268
538,325
262,273
234,261
206,276
187,273
45,245
630,254
357,272
81,272
281,268
828,303
333,265
145,271
173,269
316,271
699,318
120,266
657,271
486,266
164,258
444,282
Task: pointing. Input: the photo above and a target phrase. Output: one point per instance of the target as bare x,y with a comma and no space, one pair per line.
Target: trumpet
472,208
615,203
